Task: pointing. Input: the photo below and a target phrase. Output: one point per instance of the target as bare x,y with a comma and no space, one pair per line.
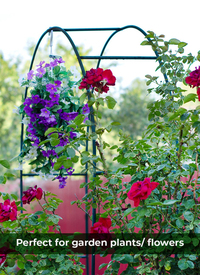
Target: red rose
141,190
32,193
101,231
194,78
102,226
8,211
99,79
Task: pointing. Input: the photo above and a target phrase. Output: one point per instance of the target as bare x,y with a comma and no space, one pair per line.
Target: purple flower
54,97
72,135
41,63
62,181
49,103
51,87
30,75
51,119
69,116
59,111
28,110
49,153
53,63
40,72
27,101
86,109
58,83
35,99
46,65
45,113
60,60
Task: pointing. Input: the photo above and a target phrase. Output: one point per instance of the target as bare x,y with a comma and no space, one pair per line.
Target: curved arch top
117,31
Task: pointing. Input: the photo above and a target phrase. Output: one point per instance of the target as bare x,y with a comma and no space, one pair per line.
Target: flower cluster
98,79
52,103
141,190
194,80
32,193
8,211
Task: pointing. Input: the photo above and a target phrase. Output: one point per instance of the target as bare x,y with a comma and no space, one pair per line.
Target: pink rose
32,193
141,190
8,211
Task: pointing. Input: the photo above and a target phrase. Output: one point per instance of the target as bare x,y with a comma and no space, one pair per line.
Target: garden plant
160,202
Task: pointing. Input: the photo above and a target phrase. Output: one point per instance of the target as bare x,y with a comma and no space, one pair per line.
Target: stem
196,178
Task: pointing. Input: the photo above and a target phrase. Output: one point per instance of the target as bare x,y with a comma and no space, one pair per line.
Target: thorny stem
82,207
196,178
110,185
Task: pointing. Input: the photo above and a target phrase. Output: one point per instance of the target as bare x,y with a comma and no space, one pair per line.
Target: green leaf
71,152
79,119
3,179
113,147
128,211
180,223
5,163
169,202
174,41
111,102
20,264
9,175
189,203
190,264
195,242
56,69
82,98
115,123
10,262
182,44
54,141
155,203
188,215
54,136
102,266
180,111
43,142
182,264
50,130
57,165
190,97
68,163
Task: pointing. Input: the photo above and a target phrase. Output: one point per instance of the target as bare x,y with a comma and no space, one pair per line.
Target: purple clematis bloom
49,153
68,116
45,113
58,83
40,72
49,103
30,75
51,88
54,97
51,119
28,110
27,101
86,109
35,99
